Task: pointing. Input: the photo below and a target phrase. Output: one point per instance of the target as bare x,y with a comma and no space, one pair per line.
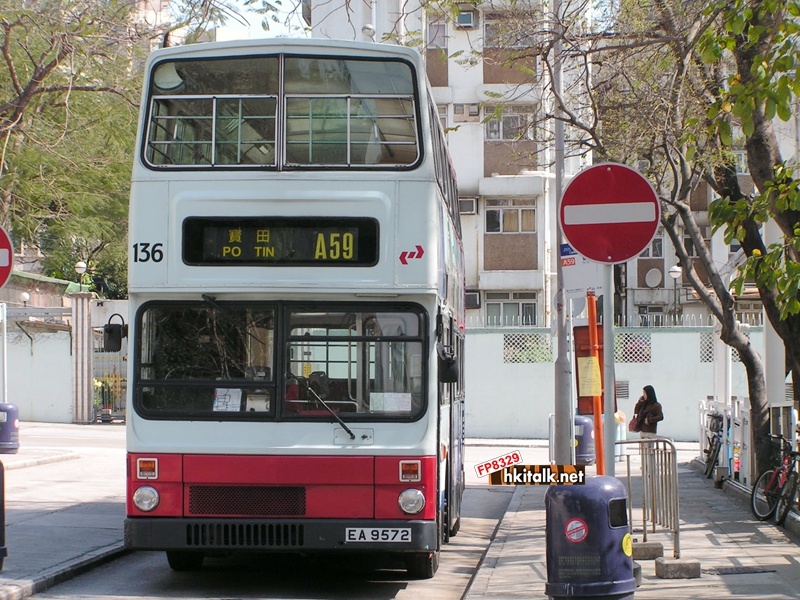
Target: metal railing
659,487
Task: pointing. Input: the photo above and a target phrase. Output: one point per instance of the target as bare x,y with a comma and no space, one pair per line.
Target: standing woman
649,412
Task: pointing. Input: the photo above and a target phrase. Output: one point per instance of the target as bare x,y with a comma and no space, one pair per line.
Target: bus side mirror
447,365
113,334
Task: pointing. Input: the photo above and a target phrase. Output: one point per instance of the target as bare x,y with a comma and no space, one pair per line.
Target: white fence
510,377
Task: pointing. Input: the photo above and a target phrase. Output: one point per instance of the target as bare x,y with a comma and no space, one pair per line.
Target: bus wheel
456,527
180,560
422,565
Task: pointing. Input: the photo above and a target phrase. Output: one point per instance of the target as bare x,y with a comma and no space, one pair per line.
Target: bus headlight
145,498
411,501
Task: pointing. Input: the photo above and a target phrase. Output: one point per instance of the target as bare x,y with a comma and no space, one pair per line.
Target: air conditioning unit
466,20
472,299
468,206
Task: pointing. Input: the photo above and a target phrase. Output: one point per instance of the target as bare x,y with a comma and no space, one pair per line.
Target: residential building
504,167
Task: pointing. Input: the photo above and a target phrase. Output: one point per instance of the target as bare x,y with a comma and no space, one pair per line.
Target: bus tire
456,527
422,565
182,560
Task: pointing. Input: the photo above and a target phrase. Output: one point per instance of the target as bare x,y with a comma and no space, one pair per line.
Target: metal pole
4,316
609,395
564,420
675,297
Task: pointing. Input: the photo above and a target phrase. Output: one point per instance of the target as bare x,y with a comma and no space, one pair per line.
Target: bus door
451,417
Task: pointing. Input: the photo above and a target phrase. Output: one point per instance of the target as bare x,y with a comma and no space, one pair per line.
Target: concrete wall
40,374
514,400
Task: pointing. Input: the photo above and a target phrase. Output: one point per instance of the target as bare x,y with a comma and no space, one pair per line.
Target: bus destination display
295,241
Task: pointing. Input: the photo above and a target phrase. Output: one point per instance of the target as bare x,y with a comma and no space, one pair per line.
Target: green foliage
69,88
776,268
764,33
773,78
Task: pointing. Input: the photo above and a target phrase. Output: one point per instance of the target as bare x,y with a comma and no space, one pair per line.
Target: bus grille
252,501
244,535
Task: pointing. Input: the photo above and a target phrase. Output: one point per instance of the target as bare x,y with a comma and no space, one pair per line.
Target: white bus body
296,292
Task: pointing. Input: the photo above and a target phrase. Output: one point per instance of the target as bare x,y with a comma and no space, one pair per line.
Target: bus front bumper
279,535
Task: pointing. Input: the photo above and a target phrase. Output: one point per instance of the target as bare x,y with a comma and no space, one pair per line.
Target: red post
597,406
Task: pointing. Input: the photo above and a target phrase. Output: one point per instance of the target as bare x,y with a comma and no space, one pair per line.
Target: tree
637,91
760,38
69,91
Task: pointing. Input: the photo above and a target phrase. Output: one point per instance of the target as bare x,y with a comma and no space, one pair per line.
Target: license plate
377,534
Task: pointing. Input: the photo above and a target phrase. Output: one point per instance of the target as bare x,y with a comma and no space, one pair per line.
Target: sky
236,31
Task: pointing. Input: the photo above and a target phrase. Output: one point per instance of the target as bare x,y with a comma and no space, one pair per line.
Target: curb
478,586
24,588
44,460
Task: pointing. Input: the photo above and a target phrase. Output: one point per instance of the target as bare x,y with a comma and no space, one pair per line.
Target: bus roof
285,45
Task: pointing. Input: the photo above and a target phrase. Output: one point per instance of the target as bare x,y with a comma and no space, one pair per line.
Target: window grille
706,347
632,348
527,348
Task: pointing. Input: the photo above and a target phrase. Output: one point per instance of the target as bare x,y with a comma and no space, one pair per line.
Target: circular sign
6,257
576,530
609,213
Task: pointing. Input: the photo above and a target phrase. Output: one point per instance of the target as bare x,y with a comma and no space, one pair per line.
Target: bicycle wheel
711,459
764,496
786,499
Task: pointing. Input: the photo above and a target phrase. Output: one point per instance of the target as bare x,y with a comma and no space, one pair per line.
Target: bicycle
774,490
714,442
786,499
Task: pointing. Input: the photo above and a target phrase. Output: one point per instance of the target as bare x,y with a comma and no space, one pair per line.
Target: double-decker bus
296,287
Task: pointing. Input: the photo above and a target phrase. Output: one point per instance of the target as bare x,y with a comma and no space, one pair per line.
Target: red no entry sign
6,257
609,213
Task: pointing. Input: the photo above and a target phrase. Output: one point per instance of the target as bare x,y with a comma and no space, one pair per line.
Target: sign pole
4,316
609,376
609,213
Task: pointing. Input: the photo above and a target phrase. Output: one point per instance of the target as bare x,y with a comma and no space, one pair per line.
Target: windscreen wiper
333,412
212,302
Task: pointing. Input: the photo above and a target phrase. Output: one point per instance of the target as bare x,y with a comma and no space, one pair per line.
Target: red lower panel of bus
335,487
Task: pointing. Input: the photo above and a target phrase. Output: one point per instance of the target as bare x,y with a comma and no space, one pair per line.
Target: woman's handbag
634,424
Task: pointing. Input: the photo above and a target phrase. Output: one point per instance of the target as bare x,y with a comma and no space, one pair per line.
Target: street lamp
80,268
369,31
24,296
675,272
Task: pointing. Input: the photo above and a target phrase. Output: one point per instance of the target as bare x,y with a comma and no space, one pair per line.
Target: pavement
64,507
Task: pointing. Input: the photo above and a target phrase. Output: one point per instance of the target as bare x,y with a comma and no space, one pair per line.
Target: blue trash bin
584,440
9,428
588,540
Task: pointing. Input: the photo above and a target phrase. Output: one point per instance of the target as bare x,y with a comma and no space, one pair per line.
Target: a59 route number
146,252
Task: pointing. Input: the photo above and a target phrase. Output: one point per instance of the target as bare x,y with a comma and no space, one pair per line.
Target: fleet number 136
147,252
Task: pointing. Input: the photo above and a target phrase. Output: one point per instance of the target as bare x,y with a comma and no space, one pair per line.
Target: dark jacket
650,413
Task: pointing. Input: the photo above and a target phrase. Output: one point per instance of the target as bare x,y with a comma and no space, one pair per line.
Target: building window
442,111
510,308
740,160
651,316
510,123
505,33
689,246
437,36
507,215
656,247
466,113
